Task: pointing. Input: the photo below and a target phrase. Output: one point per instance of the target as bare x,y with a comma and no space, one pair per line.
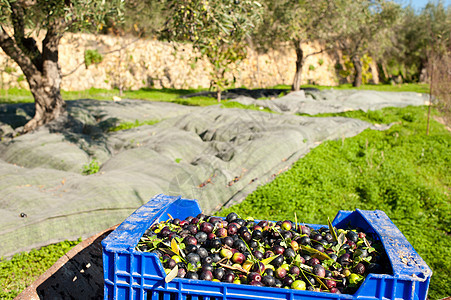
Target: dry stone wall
132,63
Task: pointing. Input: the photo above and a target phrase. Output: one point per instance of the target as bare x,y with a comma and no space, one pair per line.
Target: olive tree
19,19
366,25
217,29
432,35
298,22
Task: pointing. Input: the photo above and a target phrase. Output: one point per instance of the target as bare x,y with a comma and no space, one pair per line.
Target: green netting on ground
332,101
212,154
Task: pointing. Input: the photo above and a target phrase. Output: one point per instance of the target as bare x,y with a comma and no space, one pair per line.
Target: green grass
405,87
166,95
400,171
130,125
91,168
23,268
15,95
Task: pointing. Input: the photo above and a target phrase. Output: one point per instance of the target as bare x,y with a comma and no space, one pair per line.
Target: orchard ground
400,171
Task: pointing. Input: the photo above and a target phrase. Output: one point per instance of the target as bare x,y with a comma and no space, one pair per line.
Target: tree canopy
218,29
366,29
414,35
298,23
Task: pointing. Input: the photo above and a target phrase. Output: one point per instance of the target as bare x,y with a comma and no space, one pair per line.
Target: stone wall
133,63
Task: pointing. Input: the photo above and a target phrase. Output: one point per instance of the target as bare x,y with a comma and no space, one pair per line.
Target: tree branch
27,45
11,49
17,19
319,52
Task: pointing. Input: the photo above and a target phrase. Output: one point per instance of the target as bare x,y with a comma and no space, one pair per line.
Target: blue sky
419,4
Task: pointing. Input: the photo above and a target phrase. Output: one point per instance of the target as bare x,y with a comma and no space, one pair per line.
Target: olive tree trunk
218,95
41,69
299,64
358,68
46,87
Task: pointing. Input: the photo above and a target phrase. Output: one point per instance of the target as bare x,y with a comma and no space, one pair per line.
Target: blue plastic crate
131,274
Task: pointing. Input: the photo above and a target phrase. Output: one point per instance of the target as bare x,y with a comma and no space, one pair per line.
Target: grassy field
15,95
400,171
405,87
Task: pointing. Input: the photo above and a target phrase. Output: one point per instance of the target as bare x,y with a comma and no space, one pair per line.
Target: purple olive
319,270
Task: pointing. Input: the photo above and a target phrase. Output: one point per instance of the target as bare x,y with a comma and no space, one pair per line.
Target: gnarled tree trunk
41,70
46,90
299,64
358,68
48,101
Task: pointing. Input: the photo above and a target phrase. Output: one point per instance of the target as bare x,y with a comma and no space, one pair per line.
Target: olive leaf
315,253
193,268
296,222
305,267
236,268
171,275
341,239
355,278
269,259
332,230
329,263
152,241
297,259
342,251
175,247
336,248
168,251
367,259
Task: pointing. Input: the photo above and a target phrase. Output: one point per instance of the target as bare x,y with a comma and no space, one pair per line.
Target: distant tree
416,34
434,34
396,60
217,29
20,18
297,22
367,26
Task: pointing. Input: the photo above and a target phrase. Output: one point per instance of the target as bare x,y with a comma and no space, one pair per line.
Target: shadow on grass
240,92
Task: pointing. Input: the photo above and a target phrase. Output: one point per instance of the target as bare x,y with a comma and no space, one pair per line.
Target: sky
419,4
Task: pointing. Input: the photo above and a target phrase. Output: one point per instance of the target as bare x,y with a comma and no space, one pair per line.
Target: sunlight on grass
23,268
15,95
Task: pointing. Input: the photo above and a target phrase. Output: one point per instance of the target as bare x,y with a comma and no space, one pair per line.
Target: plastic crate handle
405,261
